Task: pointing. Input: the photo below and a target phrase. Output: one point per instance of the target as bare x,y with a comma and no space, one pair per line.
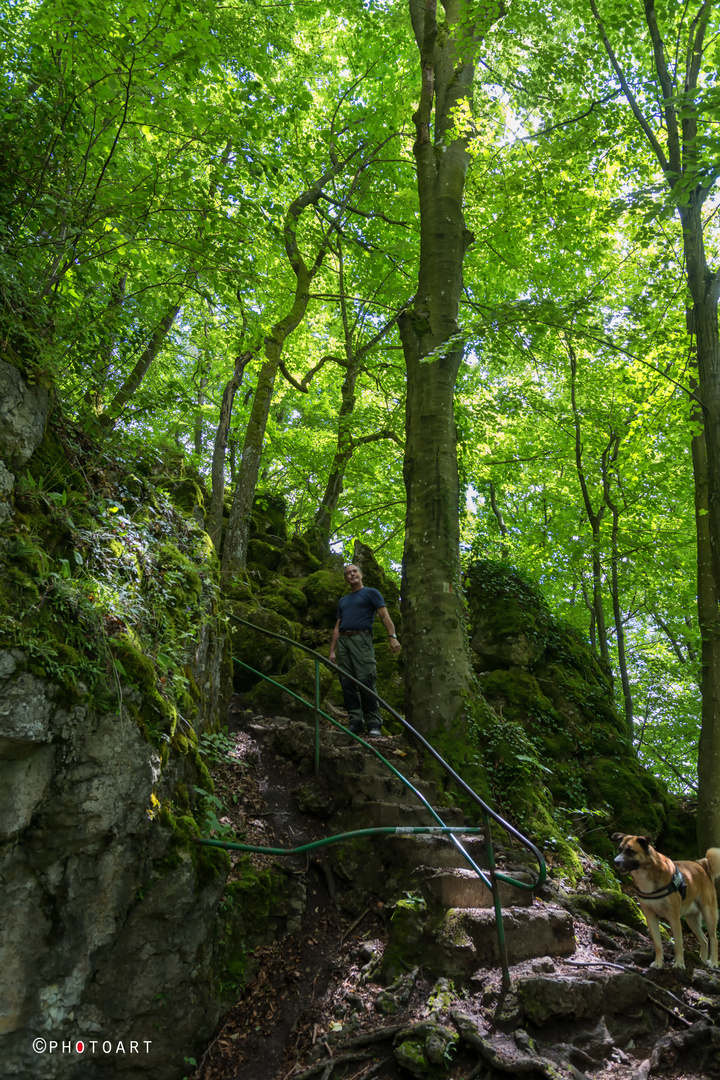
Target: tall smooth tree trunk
594,517
438,674
709,622
609,459
109,333
318,534
238,533
619,628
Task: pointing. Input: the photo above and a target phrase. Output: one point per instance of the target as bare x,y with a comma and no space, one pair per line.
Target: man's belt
352,633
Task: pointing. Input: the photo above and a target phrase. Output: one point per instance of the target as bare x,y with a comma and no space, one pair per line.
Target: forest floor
312,1008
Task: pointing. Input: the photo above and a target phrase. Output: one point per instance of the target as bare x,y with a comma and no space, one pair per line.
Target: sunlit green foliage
149,154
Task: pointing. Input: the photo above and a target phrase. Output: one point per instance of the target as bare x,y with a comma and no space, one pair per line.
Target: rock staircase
443,913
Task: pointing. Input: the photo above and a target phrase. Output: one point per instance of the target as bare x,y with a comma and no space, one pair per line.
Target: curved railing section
489,879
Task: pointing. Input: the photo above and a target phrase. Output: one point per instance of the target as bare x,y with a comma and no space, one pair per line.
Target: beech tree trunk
438,673
620,629
594,518
238,532
709,622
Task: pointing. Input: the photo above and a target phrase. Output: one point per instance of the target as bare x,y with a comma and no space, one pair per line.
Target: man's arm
334,641
390,627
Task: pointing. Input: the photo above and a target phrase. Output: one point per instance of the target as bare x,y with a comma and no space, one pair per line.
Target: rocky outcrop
114,661
554,723
289,592
23,416
107,919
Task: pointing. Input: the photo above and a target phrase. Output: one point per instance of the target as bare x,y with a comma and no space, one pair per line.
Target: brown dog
668,890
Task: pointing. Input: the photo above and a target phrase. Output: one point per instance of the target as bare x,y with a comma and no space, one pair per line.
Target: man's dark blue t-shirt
357,611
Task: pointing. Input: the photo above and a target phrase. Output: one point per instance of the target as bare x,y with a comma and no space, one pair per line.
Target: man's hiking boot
356,728
374,732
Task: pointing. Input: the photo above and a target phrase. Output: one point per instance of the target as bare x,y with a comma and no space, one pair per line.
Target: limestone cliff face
107,923
23,415
114,658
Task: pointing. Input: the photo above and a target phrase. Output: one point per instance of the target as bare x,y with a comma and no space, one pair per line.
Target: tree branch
631,99
304,385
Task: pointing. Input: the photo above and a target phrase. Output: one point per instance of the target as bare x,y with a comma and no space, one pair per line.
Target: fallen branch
351,928
672,1012
367,1074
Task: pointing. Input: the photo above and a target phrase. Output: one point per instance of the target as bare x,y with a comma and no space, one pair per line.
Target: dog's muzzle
623,862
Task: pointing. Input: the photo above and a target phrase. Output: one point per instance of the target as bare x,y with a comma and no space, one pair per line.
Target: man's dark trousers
356,655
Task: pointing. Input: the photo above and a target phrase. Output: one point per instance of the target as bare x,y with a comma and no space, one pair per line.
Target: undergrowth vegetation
103,585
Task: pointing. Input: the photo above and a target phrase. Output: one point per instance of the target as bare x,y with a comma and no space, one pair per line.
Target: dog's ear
644,842
618,836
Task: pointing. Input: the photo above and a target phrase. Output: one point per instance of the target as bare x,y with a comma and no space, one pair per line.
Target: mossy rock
238,589
28,554
323,589
247,913
639,801
299,679
679,834
560,693
210,864
263,555
407,944
612,905
186,494
285,599
268,655
50,465
182,575
557,745
297,560
518,689
268,513
278,603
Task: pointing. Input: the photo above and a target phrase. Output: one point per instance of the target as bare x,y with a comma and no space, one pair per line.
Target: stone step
530,932
383,814
338,750
462,888
357,759
385,787
437,850
463,940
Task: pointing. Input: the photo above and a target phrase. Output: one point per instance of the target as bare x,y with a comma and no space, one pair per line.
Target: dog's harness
677,884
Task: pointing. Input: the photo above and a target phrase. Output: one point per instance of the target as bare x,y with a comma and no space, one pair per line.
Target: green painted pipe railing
490,880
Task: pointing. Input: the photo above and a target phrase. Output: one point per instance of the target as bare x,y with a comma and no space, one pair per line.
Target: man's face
353,576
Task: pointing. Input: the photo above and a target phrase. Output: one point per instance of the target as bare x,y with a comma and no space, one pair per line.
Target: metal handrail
494,876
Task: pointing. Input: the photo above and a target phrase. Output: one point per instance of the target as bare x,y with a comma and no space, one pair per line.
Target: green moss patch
557,714
323,589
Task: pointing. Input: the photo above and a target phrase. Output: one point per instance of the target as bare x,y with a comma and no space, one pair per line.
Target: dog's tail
711,863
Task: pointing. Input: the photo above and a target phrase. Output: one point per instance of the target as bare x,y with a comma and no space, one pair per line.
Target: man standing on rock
352,637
